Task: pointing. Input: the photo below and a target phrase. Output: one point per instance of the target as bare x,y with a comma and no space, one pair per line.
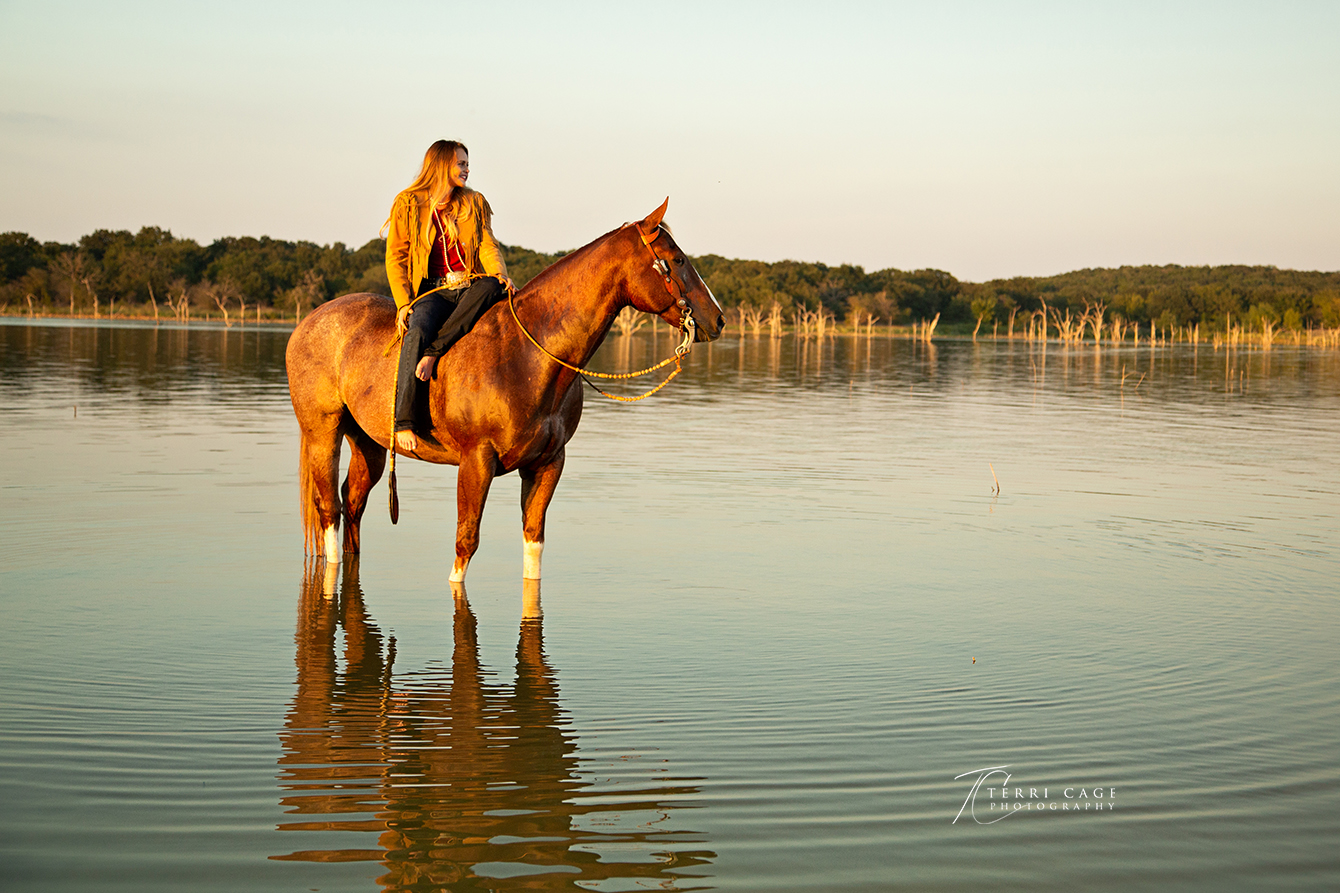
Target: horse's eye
679,260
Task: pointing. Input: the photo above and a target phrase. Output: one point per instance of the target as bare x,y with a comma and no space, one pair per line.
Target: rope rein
689,331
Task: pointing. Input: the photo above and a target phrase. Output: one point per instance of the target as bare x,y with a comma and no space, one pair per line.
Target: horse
497,403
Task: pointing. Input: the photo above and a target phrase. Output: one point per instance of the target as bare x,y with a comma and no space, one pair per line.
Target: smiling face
458,171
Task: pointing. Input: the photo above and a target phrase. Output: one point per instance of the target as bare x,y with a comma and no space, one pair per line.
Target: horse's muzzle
712,331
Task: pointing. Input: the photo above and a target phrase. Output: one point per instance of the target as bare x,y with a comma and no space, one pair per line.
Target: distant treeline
136,270
280,279
1169,296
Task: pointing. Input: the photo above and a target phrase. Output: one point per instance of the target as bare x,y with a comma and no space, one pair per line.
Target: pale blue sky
986,139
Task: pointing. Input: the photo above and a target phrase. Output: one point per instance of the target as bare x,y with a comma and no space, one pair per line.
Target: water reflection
468,784
52,362
1156,592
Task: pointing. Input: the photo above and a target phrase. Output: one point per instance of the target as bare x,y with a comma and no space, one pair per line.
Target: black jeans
445,317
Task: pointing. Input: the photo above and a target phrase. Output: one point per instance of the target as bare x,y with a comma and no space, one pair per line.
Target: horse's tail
313,541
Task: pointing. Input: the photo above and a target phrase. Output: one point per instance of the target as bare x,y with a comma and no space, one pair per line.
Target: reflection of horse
497,404
470,785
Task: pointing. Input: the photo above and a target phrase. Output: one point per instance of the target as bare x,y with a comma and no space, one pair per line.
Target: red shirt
441,260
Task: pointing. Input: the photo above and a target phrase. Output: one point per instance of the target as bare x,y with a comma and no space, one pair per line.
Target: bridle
687,325
662,266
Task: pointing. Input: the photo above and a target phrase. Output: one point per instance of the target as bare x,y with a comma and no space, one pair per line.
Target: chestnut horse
496,404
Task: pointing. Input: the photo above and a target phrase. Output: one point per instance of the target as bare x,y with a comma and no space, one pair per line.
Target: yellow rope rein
680,351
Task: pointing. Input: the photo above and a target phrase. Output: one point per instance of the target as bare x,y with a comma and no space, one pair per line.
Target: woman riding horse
507,398
445,269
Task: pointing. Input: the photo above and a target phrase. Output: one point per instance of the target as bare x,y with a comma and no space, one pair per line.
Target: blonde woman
445,269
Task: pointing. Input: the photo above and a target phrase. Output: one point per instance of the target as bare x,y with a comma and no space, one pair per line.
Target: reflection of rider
439,238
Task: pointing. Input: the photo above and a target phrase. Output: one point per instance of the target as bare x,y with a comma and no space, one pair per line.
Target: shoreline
1236,337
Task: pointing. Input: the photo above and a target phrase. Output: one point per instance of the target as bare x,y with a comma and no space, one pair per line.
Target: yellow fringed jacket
408,248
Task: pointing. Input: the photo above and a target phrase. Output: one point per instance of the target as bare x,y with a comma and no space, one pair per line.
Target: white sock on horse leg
458,570
531,553
332,544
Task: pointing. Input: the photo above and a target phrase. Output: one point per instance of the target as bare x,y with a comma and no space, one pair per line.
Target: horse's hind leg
318,479
537,489
367,460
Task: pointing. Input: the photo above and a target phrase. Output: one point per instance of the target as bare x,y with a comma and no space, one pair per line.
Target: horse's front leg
537,488
472,489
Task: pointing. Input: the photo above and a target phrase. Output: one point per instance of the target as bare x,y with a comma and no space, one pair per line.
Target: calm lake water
788,629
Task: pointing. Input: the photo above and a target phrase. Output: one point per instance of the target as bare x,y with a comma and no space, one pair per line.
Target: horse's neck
570,313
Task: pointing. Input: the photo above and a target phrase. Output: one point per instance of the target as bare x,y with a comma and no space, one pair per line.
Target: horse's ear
653,219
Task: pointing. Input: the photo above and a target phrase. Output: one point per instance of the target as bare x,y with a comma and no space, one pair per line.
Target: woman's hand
401,319
508,284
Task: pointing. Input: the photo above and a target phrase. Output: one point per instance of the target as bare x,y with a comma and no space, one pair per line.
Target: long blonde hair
432,185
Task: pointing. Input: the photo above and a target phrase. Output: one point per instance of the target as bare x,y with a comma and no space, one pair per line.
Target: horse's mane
556,268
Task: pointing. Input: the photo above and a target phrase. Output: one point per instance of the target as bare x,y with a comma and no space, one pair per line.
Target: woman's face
459,171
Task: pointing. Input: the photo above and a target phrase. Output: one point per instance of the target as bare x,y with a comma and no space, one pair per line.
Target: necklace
442,236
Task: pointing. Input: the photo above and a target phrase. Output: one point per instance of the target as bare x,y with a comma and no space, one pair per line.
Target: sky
986,139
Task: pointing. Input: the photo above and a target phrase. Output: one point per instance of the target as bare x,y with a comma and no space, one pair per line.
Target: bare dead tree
775,320
928,329
88,287
305,292
181,308
221,301
1095,312
70,267
629,321
752,317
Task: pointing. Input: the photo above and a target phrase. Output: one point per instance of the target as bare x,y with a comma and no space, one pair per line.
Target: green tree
19,253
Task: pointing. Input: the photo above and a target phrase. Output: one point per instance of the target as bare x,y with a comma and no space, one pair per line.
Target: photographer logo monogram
992,797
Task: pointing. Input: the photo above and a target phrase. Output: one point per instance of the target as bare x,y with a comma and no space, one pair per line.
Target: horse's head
669,286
